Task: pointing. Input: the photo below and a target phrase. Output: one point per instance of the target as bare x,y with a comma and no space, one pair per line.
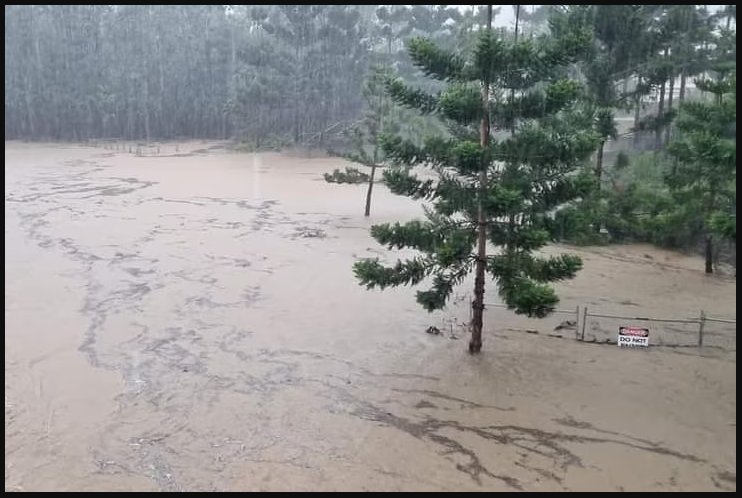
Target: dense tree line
273,75
285,72
666,189
79,71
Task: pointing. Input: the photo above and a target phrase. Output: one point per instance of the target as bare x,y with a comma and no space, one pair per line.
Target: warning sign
633,336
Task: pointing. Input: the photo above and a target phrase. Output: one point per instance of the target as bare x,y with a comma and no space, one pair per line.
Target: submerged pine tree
489,184
365,135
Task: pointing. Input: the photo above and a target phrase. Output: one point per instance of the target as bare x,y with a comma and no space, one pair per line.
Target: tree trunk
599,164
380,128
709,254
146,106
637,109
296,97
515,41
39,80
165,127
669,108
228,120
475,344
660,114
367,212
681,98
29,109
599,174
671,92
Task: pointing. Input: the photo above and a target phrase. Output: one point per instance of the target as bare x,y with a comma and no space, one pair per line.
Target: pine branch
461,103
526,297
410,97
443,284
402,151
539,147
552,193
401,182
413,234
435,298
554,268
490,58
435,62
526,237
452,195
373,274
536,104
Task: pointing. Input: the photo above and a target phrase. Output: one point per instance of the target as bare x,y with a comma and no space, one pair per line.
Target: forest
657,91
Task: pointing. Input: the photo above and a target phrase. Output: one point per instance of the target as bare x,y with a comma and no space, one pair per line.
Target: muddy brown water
189,321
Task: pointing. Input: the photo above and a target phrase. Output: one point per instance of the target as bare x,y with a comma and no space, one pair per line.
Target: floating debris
566,324
310,233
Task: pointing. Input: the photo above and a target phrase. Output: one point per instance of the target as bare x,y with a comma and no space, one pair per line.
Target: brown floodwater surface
189,320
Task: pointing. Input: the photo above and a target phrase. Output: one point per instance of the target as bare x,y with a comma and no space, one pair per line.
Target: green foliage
706,154
605,125
671,201
378,115
372,274
528,173
272,142
707,150
645,212
435,62
622,161
528,298
641,206
724,224
638,207
351,175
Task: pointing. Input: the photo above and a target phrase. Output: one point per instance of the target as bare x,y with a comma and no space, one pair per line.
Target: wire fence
586,325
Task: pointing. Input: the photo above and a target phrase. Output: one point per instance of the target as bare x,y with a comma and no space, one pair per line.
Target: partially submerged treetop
493,183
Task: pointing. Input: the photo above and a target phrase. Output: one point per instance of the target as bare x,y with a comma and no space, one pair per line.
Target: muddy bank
188,320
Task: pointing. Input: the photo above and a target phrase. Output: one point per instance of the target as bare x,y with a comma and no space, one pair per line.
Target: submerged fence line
580,324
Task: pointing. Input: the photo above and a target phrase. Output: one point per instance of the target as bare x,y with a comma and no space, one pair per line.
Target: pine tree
605,64
491,185
365,135
706,174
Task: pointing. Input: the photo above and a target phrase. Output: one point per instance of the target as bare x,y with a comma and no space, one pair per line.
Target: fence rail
700,333
668,336
496,305
645,319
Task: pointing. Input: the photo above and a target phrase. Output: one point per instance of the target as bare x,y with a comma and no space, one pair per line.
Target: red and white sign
633,336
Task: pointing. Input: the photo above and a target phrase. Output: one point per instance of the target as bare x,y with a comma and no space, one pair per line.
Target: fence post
577,321
701,322
584,322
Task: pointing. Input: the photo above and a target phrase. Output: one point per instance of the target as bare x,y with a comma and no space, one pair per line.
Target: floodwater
187,319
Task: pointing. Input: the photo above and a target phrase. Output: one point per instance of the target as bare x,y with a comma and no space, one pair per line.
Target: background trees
272,76
269,74
704,181
136,72
643,63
